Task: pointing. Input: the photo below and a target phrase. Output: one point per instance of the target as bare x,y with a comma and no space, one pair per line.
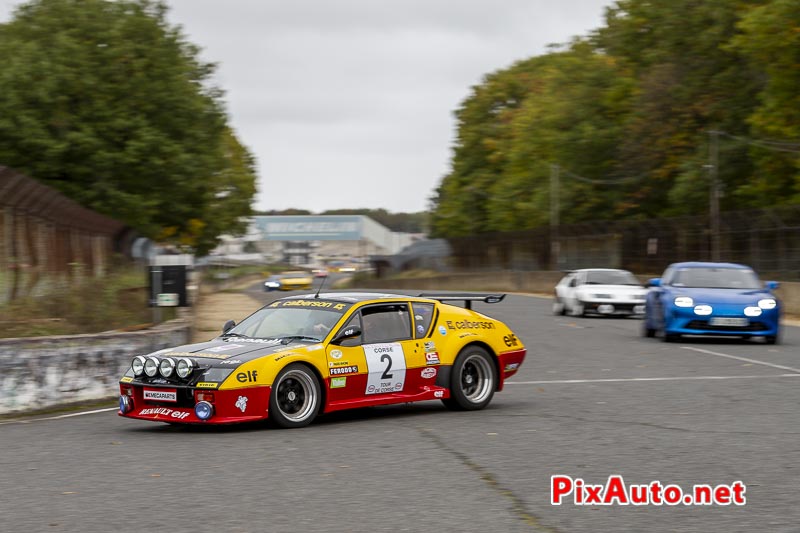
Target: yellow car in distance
295,281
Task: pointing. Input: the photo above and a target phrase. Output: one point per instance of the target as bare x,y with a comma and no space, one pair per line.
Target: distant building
323,240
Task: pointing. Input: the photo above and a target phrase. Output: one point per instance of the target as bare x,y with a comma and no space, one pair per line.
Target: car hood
723,296
229,352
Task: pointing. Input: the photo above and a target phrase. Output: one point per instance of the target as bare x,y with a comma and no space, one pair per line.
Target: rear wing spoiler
466,298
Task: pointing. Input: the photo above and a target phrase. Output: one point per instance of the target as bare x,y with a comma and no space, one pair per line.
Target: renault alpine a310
301,356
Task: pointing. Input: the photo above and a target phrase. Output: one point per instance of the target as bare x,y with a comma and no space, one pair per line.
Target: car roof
351,297
597,270
709,264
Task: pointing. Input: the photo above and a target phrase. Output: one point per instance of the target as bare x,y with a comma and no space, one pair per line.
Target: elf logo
249,376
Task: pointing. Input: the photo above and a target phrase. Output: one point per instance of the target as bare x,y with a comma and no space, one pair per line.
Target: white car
603,291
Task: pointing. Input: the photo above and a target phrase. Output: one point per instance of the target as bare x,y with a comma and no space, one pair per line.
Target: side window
423,316
386,323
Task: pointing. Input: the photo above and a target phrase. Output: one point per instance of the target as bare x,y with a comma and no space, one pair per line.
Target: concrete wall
540,282
41,372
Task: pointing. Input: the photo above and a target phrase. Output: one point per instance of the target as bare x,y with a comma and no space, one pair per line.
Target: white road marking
745,359
70,415
617,380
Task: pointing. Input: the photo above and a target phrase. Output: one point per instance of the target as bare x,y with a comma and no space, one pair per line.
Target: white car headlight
272,284
767,303
752,311
684,301
702,310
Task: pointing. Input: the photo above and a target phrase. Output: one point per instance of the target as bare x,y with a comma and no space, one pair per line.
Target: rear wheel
472,381
295,398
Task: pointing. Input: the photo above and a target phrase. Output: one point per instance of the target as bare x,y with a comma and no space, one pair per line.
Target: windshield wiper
289,338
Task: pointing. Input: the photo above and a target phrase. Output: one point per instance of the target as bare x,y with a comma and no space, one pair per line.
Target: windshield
716,278
611,277
279,322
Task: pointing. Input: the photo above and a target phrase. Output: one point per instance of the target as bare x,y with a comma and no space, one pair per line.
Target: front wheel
295,398
472,381
559,309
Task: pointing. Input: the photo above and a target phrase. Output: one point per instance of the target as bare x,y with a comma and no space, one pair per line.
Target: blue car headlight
752,311
703,310
684,301
767,303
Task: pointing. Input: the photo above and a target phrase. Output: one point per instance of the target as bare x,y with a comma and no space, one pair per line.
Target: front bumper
230,406
724,320
614,307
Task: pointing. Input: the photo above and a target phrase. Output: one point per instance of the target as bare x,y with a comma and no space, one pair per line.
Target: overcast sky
349,103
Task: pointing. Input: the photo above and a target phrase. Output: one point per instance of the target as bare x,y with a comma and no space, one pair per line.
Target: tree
107,102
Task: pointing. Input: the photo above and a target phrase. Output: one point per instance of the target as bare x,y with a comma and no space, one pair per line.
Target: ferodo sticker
161,395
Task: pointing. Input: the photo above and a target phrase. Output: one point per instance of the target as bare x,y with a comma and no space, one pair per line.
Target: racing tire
579,309
295,398
559,309
473,380
648,332
772,339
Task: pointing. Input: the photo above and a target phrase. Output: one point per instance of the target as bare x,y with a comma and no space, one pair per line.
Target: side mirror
772,285
653,282
348,333
228,326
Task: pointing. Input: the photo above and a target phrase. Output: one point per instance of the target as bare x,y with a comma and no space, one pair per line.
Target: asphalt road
593,399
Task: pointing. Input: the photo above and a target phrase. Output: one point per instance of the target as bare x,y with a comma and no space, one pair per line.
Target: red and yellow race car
301,356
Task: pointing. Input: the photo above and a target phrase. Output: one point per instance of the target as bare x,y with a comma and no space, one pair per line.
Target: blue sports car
711,299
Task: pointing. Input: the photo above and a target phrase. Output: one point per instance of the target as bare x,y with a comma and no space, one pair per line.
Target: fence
767,240
44,235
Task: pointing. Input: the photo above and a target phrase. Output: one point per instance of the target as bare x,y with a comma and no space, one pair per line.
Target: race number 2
386,364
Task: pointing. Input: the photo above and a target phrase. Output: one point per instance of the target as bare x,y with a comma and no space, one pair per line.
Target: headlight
185,367
125,404
166,367
767,303
272,284
151,366
703,310
684,301
203,410
752,311
137,365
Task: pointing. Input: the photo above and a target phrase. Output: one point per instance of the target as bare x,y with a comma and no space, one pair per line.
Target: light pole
555,245
713,170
